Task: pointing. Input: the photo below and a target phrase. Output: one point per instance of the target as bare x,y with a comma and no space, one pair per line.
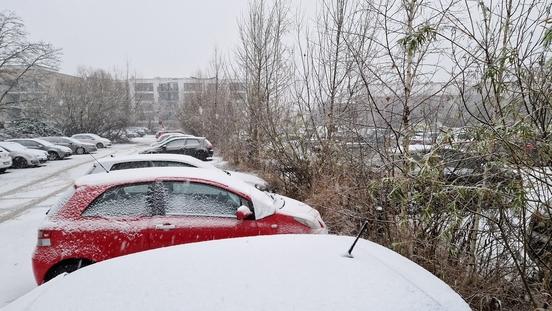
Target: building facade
157,102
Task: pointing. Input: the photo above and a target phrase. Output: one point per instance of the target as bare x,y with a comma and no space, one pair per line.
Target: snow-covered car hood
277,272
41,154
298,209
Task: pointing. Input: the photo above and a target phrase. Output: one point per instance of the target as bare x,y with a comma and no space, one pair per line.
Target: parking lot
25,196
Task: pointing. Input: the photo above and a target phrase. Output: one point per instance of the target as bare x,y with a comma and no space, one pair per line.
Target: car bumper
5,163
37,162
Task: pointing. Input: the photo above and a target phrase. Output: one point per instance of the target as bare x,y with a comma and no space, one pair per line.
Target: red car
128,211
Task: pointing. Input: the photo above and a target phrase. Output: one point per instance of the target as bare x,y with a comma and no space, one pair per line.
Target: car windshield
11,146
74,141
43,142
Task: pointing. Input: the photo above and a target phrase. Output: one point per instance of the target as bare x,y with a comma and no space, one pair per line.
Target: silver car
78,147
23,157
90,138
55,152
5,160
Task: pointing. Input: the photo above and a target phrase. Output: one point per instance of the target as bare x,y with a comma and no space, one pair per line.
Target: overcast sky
165,38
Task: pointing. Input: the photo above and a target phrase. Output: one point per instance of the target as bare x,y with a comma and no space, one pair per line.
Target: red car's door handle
165,226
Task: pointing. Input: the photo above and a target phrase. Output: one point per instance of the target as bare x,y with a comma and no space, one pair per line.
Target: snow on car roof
263,204
278,272
157,157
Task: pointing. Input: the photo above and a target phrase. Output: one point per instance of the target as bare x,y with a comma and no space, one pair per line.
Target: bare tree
262,64
18,55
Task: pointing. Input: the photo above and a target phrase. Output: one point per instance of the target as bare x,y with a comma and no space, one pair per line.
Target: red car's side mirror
243,212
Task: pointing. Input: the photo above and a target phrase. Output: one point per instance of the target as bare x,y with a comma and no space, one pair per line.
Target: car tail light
44,237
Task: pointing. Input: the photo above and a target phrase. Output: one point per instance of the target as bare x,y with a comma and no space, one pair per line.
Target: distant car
141,131
123,212
279,272
198,147
467,168
162,137
22,156
55,152
5,160
169,160
77,147
161,132
98,141
166,137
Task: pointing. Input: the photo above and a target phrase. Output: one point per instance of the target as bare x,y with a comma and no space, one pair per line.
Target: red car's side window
122,201
197,199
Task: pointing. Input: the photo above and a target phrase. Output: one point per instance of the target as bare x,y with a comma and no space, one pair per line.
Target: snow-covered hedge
29,128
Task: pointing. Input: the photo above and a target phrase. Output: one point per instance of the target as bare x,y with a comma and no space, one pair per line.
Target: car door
62,142
192,147
85,138
117,222
175,146
194,212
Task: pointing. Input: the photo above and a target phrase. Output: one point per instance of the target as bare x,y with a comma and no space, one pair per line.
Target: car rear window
122,201
170,164
130,165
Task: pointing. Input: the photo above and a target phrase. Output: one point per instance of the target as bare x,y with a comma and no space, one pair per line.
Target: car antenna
349,253
99,163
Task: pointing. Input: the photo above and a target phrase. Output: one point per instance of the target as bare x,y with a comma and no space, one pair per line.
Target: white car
5,160
23,156
277,272
169,160
90,138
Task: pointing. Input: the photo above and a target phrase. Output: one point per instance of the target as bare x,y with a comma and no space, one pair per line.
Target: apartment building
158,101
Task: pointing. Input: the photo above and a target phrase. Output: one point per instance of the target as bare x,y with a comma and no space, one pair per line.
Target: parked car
22,156
159,133
198,147
5,160
141,131
98,141
169,160
467,168
279,272
165,136
77,147
55,152
129,133
109,215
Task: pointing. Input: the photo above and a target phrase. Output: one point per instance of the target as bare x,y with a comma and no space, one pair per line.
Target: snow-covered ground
25,196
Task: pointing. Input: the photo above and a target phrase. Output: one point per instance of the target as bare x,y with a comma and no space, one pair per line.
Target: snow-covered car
170,160
280,272
98,141
55,152
77,147
110,215
23,156
5,160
